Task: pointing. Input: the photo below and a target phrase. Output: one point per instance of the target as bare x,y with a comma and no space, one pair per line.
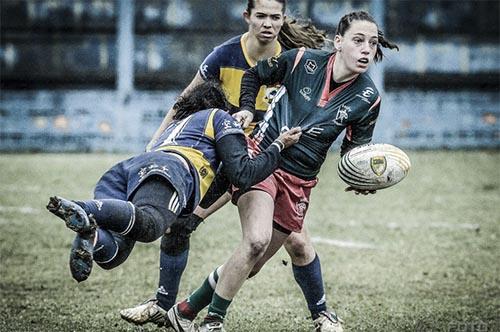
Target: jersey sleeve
361,132
275,69
224,124
210,67
267,72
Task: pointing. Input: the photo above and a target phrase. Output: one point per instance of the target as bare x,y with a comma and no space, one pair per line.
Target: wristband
279,144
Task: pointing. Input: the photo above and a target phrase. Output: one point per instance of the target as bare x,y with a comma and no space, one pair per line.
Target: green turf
434,265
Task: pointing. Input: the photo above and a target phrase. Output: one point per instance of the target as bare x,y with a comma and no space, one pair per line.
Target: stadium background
98,75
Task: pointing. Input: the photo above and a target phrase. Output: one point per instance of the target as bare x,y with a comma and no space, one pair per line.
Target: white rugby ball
373,166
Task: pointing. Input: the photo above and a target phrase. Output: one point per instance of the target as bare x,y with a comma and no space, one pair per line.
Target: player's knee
257,247
298,248
151,223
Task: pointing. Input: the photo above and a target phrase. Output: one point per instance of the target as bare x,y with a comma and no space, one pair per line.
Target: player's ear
337,42
246,16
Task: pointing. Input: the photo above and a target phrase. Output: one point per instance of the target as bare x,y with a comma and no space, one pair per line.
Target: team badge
273,61
378,165
342,114
301,208
310,66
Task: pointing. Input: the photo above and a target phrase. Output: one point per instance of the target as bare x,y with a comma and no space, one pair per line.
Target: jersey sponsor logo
315,131
305,92
203,70
367,93
342,115
146,170
310,66
228,124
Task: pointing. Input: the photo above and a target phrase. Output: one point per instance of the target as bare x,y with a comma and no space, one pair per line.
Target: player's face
265,20
358,46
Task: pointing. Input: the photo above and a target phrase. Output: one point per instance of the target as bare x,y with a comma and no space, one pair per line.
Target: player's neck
258,51
340,72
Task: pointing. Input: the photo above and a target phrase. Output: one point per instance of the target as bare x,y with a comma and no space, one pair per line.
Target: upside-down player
139,198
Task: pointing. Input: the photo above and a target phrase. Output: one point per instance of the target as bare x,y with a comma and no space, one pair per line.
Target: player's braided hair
346,21
295,32
208,94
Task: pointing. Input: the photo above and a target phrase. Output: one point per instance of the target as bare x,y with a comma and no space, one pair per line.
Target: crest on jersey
342,114
273,61
310,66
378,165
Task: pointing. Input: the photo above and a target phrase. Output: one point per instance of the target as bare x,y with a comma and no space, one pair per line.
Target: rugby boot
80,257
212,327
328,322
73,215
179,323
146,312
76,219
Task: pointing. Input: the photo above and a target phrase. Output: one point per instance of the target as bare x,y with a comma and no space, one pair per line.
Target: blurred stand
98,75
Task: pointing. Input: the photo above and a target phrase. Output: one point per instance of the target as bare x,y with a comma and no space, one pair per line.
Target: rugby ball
373,166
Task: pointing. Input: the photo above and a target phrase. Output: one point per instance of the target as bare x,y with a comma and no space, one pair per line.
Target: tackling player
269,32
140,198
323,92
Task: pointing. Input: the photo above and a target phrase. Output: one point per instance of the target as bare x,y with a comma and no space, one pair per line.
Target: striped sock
200,298
217,309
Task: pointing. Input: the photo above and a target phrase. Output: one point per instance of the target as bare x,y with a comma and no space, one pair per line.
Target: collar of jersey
251,63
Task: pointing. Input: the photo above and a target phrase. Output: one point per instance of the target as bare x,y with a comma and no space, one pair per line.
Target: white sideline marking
21,209
20,189
343,244
474,227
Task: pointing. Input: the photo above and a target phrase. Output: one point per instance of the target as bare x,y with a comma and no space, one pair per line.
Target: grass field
421,256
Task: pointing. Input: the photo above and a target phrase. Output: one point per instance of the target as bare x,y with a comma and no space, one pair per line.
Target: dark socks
171,269
113,214
310,281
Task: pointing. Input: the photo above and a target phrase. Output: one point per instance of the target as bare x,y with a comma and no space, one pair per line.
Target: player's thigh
256,209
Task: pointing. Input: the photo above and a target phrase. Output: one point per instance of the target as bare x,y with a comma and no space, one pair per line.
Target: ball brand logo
378,165
310,66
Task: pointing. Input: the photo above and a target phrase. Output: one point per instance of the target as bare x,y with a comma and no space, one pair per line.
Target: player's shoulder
367,87
229,47
318,53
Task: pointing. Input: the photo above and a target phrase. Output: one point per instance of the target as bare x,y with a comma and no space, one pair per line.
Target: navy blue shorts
121,180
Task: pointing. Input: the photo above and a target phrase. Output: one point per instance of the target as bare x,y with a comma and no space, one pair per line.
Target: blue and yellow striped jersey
227,63
195,137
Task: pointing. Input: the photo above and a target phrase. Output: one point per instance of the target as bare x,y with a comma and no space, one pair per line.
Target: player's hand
360,191
290,137
244,117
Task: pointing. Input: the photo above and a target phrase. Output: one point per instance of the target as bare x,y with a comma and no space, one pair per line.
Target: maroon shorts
290,195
